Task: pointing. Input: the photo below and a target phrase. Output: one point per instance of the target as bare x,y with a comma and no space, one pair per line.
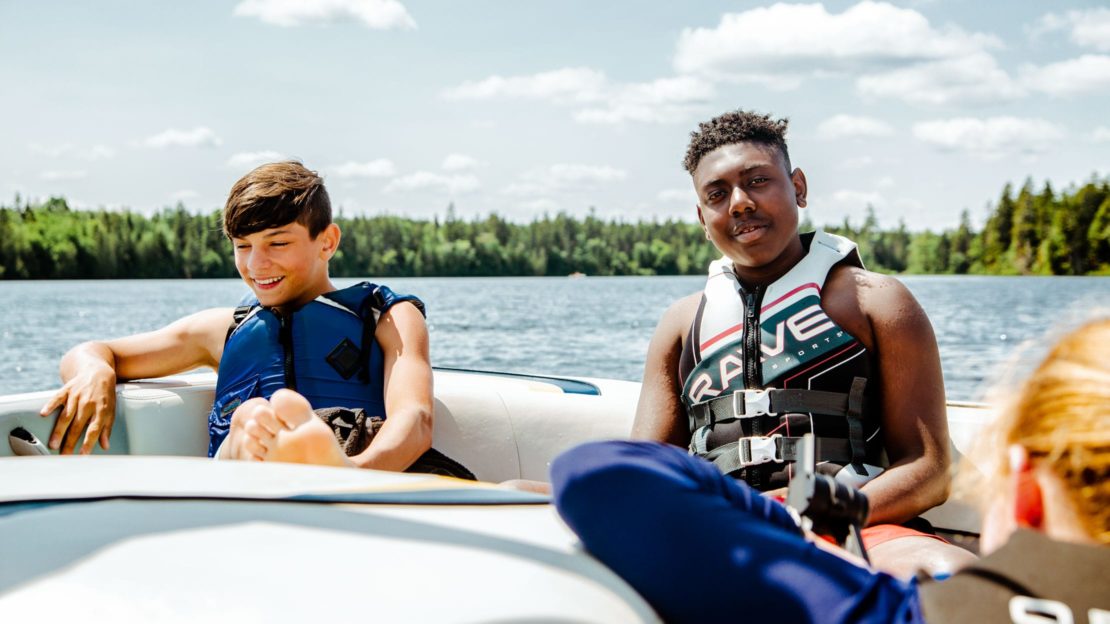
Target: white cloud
197,137
562,178
570,175
677,196
1089,72
765,43
993,137
597,99
664,100
1089,28
250,160
853,127
378,168
857,162
577,84
57,176
96,152
460,162
182,195
53,151
376,14
421,180
1101,134
976,78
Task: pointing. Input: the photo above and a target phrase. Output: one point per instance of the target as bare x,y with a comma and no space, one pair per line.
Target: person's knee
583,465
605,479
906,556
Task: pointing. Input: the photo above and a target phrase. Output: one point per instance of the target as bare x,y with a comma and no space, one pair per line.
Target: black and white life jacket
763,366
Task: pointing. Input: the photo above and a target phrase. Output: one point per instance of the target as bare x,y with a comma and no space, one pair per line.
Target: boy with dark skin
748,202
286,266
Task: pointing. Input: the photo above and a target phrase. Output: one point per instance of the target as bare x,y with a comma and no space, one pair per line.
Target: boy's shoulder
683,310
676,319
867,284
860,300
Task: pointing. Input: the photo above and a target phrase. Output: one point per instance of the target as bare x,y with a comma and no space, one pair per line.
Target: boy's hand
89,398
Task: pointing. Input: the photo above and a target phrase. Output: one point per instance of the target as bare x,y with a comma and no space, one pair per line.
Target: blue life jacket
316,350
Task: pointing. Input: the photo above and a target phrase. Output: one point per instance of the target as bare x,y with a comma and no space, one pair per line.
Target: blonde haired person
1046,522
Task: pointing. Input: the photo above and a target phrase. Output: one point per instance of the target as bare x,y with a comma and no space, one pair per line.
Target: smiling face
748,205
285,266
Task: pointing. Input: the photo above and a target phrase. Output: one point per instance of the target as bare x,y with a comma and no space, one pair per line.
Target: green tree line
1028,231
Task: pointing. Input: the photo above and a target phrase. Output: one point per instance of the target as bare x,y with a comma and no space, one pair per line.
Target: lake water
596,326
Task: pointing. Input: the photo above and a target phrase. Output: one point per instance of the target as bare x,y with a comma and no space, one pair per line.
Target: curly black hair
735,127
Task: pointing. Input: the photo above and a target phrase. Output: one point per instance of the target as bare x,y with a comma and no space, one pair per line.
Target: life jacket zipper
753,377
753,374
285,337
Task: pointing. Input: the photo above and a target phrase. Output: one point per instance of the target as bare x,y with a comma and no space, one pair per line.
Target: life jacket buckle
756,403
760,450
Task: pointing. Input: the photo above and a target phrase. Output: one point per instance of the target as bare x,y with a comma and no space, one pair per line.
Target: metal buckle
759,450
756,403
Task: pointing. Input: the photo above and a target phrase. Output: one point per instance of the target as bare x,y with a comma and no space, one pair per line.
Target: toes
291,408
259,434
247,412
254,449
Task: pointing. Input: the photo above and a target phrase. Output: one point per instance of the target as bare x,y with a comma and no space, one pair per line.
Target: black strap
782,401
237,317
729,457
369,327
855,425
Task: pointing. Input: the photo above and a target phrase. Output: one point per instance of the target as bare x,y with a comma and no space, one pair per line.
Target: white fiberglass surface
234,560
46,478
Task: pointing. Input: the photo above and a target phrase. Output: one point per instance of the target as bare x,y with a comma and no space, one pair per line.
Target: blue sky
521,107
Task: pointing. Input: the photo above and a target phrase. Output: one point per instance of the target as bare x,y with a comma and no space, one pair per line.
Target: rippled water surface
596,326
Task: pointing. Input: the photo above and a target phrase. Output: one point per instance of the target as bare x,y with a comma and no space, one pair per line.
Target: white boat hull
159,532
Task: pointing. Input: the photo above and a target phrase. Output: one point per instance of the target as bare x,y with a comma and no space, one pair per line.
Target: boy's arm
659,412
90,371
407,430
914,420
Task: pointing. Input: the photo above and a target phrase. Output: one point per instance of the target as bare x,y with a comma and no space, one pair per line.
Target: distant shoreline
1028,233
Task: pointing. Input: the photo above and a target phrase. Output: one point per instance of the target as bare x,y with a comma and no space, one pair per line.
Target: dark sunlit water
597,326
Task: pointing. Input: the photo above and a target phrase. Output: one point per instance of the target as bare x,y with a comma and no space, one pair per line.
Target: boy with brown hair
297,343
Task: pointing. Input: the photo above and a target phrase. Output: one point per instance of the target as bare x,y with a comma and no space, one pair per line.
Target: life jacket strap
369,327
855,425
769,402
237,317
756,450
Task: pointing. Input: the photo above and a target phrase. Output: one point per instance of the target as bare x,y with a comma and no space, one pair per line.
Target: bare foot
252,431
303,438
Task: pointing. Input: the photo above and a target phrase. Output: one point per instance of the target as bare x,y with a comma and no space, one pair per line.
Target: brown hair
1061,416
274,195
736,126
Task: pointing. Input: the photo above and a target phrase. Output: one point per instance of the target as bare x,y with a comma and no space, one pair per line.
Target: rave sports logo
792,337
